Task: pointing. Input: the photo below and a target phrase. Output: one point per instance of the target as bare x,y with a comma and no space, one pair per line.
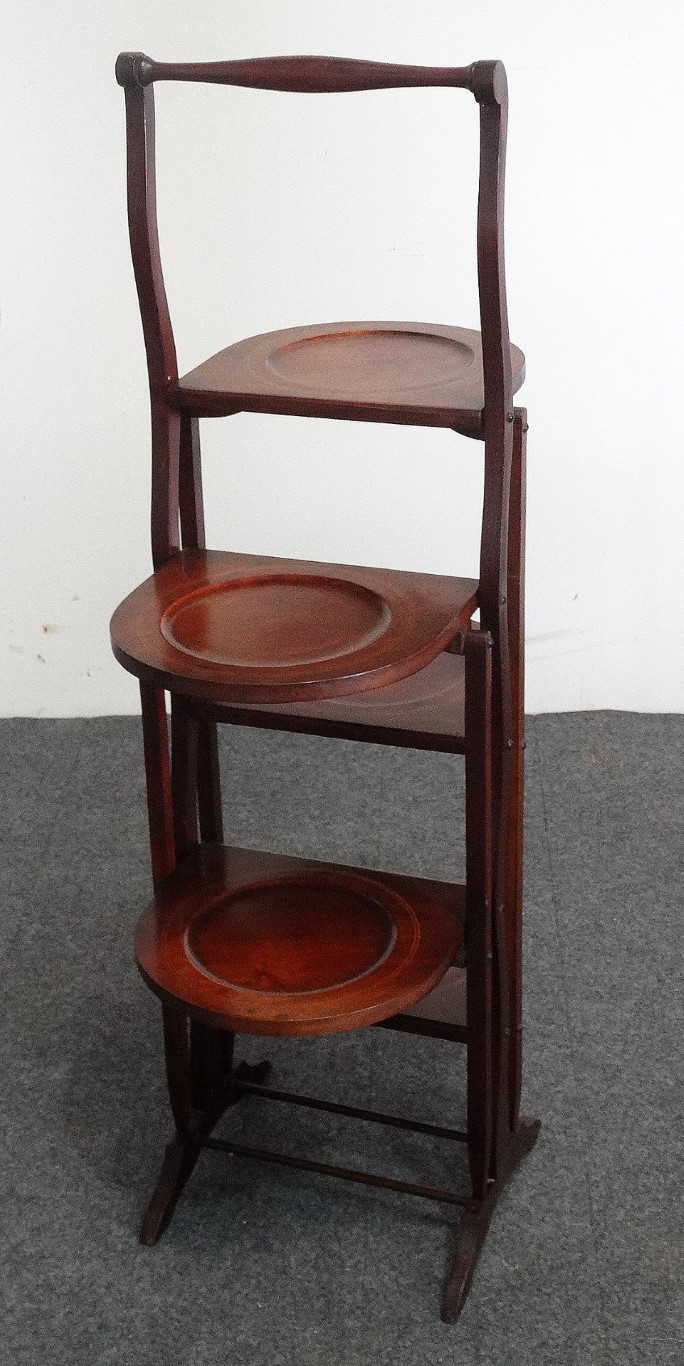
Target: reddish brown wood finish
363,371
183,777
442,1014
191,508
423,711
264,944
196,1124
320,75
306,1164
373,671
190,496
158,776
487,80
478,943
514,874
178,1073
476,1220
225,627
415,1126
159,343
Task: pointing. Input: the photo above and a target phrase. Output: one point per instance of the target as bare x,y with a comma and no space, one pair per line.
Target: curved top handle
325,75
486,80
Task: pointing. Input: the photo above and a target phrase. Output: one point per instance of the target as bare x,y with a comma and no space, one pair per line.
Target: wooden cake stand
245,941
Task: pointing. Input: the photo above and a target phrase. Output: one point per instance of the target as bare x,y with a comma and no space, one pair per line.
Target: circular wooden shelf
424,373
308,620
226,627
366,360
269,945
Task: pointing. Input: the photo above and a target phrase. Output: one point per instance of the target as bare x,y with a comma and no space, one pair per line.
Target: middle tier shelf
222,627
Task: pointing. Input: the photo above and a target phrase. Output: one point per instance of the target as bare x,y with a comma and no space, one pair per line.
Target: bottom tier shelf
263,944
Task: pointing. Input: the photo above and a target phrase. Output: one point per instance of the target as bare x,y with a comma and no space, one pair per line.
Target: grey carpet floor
585,1258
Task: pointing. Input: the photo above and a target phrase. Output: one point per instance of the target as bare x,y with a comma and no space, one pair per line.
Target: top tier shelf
422,374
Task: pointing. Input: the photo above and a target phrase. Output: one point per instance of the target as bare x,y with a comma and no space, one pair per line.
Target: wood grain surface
400,372
423,711
265,944
227,627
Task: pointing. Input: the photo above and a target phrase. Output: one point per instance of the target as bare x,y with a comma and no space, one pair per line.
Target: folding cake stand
241,941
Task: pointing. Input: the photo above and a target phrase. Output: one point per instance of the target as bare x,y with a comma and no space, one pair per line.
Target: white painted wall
277,210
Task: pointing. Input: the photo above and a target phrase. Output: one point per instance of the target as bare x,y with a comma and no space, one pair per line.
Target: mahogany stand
243,941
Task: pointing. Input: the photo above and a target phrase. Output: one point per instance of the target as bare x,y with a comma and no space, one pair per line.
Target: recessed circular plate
369,361
291,937
276,621
301,949
231,628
